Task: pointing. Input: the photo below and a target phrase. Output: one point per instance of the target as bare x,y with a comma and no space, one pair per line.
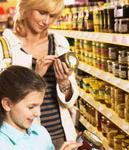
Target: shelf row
106,76
93,129
113,38
109,113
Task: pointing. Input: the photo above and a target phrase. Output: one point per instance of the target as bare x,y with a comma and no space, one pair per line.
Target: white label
101,108
88,69
125,127
107,78
119,12
87,125
127,87
109,114
98,73
117,81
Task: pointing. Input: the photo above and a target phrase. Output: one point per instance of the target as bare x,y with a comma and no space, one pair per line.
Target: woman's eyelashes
45,13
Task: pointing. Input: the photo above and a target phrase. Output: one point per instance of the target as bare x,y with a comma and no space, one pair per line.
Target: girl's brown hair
16,82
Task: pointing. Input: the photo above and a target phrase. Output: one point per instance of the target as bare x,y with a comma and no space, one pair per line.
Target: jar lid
71,60
93,138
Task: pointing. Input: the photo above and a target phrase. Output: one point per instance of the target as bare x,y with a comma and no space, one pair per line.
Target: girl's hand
70,145
62,72
43,64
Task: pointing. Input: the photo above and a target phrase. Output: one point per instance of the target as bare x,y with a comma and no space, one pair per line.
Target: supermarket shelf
109,113
106,76
113,38
96,132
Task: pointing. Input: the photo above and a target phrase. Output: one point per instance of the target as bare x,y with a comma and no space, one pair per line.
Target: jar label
123,28
122,74
119,13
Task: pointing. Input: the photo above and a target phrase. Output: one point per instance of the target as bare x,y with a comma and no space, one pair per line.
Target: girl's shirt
37,138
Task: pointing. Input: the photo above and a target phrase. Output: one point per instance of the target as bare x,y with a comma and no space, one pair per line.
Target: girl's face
38,21
22,114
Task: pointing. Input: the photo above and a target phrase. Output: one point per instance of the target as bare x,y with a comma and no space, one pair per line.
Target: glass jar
104,50
123,71
117,142
122,57
126,114
99,63
115,68
111,135
128,58
98,52
113,53
103,125
109,126
125,143
124,25
127,100
104,66
109,65
116,26
107,96
120,110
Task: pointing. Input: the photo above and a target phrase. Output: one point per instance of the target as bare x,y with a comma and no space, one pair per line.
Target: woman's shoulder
59,39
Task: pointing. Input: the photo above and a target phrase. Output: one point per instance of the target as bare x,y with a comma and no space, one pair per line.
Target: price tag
88,69
117,81
114,39
109,114
127,87
87,98
81,119
98,73
125,127
96,36
81,94
89,36
100,108
107,77
111,148
87,126
94,131
124,40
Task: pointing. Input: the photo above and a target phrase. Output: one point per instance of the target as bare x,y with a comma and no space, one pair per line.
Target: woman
34,47
21,94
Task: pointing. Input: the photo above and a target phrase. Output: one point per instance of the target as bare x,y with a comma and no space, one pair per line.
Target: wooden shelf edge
109,113
112,38
106,76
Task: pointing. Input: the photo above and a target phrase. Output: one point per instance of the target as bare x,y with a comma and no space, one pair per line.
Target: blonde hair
25,6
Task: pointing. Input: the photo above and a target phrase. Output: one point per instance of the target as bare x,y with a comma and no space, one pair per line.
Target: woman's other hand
43,64
70,145
62,72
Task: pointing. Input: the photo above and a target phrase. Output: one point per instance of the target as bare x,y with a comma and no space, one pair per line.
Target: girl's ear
6,103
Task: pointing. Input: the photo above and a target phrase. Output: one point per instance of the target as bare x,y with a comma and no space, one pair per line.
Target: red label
114,39
124,40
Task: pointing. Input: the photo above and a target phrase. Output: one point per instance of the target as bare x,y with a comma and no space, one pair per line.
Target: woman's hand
43,64
70,145
62,72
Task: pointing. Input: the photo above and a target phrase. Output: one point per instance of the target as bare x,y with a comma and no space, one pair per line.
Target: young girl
21,94
34,46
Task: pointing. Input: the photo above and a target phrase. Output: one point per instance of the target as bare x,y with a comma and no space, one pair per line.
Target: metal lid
93,138
71,60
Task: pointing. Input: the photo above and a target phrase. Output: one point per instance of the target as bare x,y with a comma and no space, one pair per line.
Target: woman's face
38,21
22,114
